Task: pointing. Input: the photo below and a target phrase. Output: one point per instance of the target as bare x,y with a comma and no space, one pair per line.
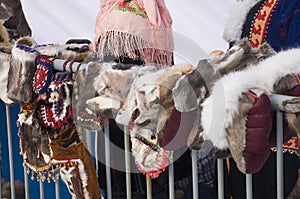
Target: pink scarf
137,29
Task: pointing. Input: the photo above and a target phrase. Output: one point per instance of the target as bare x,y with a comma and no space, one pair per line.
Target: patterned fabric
54,106
149,157
258,34
43,74
206,168
131,6
290,146
284,15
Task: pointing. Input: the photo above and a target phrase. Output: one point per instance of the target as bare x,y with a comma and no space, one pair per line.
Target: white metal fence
276,103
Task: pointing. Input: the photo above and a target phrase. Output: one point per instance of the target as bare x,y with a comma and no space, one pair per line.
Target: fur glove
21,71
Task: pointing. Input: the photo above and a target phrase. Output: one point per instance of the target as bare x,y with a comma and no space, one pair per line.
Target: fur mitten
34,144
4,68
223,114
165,84
193,88
248,135
82,91
292,115
54,109
290,85
5,57
21,71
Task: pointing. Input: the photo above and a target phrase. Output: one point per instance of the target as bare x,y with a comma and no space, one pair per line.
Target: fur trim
4,68
22,55
221,107
241,55
234,26
28,41
192,88
22,68
292,105
136,100
4,38
50,49
165,83
6,49
74,52
101,103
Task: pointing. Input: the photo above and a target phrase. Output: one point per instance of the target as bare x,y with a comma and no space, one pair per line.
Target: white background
198,21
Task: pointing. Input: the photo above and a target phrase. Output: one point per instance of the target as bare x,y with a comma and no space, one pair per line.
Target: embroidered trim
251,94
43,74
131,6
291,146
52,173
297,76
147,142
67,165
68,66
259,26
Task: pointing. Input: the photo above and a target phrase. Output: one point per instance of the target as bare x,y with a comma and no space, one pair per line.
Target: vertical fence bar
89,141
42,193
107,159
127,162
10,151
220,179
96,152
249,186
0,168
26,183
195,174
279,155
57,189
149,187
171,181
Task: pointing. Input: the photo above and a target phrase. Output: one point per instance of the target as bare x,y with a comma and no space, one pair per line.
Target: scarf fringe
119,44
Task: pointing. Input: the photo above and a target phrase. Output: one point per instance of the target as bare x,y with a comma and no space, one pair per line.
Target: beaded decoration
291,146
149,157
43,74
34,146
147,142
54,108
259,25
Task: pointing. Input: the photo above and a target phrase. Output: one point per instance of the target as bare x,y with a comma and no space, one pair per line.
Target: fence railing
276,104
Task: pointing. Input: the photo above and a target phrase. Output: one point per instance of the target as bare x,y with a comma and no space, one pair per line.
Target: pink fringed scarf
137,29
